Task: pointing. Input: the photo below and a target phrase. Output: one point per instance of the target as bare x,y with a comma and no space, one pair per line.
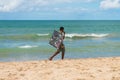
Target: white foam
42,34
27,46
86,35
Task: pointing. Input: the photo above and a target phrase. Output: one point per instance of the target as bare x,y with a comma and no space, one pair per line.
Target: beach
92,50
69,69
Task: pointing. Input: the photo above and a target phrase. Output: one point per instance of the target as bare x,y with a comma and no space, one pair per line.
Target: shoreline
107,68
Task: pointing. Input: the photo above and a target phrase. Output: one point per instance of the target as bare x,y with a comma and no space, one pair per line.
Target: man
62,47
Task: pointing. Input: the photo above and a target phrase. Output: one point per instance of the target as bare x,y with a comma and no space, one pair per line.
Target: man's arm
64,36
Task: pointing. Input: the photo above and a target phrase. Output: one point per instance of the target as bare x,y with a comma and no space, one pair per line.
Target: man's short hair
61,28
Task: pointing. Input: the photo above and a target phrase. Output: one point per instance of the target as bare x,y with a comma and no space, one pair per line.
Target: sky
59,9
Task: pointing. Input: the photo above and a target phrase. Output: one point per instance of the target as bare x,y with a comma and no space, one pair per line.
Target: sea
28,40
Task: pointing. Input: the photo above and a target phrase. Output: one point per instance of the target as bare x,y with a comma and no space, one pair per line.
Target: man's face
62,30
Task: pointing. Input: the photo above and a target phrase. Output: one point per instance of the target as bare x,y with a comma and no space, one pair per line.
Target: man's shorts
61,48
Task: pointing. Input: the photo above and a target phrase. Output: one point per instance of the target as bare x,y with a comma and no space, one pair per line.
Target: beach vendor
61,47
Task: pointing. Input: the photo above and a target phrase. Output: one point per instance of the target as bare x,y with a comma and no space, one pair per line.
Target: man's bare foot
50,59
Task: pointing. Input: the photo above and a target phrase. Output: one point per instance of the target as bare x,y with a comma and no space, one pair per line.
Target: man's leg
63,55
63,52
54,55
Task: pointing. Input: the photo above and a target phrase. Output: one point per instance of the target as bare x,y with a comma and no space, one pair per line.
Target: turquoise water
29,40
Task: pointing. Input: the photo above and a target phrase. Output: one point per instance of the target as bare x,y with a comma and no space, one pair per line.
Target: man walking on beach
62,47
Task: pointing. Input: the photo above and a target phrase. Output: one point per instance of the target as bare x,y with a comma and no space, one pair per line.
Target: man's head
62,29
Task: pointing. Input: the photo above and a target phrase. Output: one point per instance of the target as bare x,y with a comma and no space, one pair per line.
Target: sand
69,69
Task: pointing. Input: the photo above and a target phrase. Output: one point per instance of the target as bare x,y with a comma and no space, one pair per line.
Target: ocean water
29,40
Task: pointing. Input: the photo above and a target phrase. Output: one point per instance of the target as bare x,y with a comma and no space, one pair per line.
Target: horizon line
59,20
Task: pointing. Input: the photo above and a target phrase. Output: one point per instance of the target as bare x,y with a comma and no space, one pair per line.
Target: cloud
31,5
71,10
110,4
9,5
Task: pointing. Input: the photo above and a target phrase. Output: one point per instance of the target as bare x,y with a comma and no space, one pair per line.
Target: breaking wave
27,46
76,35
47,36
